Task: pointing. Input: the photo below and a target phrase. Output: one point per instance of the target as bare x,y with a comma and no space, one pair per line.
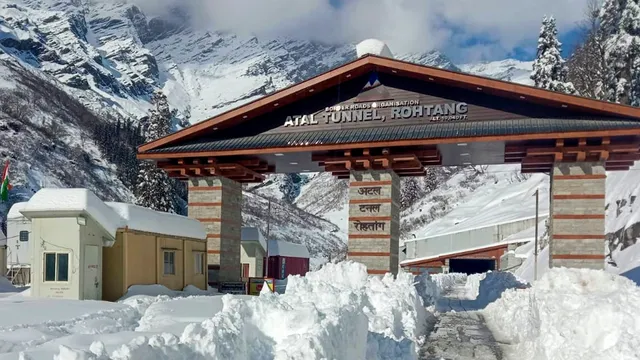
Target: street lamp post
535,242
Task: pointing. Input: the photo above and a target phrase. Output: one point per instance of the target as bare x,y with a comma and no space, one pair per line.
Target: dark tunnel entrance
471,266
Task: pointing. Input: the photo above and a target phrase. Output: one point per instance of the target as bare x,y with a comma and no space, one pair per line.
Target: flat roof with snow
51,202
14,211
288,249
249,233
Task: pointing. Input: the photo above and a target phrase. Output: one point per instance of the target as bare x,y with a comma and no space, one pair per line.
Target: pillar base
374,220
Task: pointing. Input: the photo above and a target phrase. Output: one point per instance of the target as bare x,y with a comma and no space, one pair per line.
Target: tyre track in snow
459,334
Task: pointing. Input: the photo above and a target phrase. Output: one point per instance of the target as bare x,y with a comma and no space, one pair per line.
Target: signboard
382,111
236,288
256,284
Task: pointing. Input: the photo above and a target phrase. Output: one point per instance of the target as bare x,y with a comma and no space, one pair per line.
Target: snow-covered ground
570,314
338,312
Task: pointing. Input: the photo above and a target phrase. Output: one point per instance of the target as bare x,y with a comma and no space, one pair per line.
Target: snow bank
143,219
445,282
338,312
570,314
526,270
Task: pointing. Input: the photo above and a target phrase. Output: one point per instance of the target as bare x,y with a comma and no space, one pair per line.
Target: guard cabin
85,249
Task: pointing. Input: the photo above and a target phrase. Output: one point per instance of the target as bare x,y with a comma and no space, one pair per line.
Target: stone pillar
374,220
217,203
577,215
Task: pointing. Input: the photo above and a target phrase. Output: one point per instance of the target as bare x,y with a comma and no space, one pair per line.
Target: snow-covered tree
634,86
291,185
549,69
620,27
588,64
410,192
154,189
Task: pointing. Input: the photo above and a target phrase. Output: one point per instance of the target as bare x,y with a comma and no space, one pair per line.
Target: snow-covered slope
109,57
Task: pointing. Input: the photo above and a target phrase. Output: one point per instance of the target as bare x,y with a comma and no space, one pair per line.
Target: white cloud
406,25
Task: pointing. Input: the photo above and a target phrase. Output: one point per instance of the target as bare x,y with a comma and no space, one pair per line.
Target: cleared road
459,334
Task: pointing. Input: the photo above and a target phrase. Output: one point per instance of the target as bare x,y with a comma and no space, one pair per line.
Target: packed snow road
459,334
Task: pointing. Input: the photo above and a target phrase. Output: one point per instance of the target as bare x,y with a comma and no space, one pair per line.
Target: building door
245,270
92,286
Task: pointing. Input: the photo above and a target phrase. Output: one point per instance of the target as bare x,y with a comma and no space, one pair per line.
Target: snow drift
570,314
338,312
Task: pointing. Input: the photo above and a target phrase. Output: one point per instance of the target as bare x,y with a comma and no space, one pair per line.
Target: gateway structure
377,119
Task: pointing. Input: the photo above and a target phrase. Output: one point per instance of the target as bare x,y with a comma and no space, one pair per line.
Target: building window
56,267
198,263
169,262
24,236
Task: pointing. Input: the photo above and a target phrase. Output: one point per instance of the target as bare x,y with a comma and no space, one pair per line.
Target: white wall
64,235
252,253
55,235
460,241
18,253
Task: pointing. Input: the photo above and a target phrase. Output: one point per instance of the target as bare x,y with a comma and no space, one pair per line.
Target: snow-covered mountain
101,60
508,70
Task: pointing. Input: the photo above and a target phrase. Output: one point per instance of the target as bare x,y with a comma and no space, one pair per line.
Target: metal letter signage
382,111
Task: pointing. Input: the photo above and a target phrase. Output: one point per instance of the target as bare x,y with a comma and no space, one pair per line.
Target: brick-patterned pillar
577,215
217,203
374,220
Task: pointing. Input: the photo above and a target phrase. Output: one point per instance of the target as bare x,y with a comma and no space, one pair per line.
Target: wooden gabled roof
370,63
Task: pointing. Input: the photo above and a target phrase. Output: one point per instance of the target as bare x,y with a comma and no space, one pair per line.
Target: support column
374,220
217,203
577,216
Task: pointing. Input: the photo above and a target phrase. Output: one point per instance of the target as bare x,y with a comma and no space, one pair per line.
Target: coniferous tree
154,188
410,192
620,27
588,64
549,69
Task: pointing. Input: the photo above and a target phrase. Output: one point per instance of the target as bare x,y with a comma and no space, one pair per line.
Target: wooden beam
394,143
633,147
623,157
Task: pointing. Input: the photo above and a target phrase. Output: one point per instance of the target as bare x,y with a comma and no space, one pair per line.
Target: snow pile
338,312
430,287
445,282
483,289
526,270
373,47
571,314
